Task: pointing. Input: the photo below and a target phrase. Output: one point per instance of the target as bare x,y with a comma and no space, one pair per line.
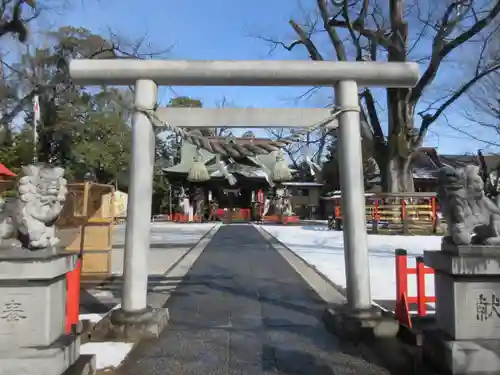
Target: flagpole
36,117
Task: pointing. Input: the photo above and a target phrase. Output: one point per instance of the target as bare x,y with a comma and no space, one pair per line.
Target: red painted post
337,212
404,216
375,216
261,199
434,214
73,280
421,297
401,279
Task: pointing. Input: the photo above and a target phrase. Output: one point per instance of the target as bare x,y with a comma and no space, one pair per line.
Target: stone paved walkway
242,309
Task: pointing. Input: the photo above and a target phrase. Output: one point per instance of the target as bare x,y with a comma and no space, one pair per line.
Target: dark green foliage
87,131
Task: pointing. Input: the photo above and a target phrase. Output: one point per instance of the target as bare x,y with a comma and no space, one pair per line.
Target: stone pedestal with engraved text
466,339
32,313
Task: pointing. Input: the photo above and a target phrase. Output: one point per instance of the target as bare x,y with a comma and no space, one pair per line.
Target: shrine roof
248,166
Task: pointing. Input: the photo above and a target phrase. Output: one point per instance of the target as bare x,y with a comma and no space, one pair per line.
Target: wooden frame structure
86,225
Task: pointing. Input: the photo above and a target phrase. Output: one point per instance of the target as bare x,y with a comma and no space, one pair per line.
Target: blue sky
222,29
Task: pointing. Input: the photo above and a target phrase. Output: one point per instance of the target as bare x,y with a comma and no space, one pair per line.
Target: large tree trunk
397,168
396,172
398,175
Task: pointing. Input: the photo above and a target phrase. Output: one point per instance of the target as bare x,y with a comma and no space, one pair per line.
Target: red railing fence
404,212
402,297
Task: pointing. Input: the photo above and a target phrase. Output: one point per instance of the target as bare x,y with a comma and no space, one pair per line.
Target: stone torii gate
134,315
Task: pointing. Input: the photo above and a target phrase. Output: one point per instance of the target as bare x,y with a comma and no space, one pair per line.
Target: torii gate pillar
134,317
140,196
353,197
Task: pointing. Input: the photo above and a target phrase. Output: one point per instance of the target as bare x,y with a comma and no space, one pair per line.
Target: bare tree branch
306,41
332,33
377,36
37,82
12,22
442,48
428,119
368,34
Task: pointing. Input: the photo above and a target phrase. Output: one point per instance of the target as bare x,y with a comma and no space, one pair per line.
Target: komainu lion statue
30,217
471,216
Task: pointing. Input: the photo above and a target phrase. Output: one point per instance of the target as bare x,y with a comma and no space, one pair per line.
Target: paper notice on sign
121,201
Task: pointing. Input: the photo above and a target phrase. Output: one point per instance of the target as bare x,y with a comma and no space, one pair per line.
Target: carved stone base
467,293
52,359
469,250
33,312
32,297
135,326
355,324
470,357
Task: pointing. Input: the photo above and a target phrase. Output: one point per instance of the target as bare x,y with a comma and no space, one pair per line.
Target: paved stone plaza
242,309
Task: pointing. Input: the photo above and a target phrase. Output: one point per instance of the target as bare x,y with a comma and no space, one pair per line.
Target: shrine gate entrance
346,77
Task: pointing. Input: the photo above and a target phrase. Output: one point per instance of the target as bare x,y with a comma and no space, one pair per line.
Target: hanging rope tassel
198,171
223,170
281,172
313,167
267,173
307,158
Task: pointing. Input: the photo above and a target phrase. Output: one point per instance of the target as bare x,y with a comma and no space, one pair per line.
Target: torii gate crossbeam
147,74
243,73
244,117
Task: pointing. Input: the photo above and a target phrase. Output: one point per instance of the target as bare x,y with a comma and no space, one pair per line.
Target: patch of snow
305,184
314,221
337,195
324,249
108,354
96,318
102,293
93,318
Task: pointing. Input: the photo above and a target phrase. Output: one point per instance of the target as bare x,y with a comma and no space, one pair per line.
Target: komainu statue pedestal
466,339
33,312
